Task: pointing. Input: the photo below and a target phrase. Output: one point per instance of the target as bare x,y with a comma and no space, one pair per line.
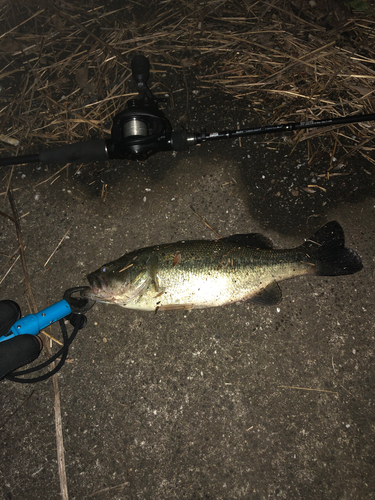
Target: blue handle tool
33,323
19,344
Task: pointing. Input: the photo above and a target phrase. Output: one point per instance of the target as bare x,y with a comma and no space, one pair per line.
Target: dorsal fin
251,240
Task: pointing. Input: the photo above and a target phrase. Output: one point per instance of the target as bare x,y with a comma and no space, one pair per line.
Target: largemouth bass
199,274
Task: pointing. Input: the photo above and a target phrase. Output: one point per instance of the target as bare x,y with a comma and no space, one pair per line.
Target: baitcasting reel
142,130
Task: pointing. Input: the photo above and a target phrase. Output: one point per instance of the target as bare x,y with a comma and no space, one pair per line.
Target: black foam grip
179,140
18,351
84,152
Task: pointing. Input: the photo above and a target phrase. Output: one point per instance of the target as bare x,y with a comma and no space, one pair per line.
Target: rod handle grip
80,152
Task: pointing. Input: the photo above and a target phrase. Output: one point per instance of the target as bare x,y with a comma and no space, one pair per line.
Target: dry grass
66,67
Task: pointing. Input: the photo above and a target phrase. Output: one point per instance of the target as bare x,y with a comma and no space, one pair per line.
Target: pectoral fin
152,267
269,296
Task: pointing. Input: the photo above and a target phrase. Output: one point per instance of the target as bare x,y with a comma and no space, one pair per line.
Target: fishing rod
142,129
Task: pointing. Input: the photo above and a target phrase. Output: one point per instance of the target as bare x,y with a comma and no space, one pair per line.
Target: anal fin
269,296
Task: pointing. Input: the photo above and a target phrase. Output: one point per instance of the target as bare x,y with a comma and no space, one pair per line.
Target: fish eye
104,269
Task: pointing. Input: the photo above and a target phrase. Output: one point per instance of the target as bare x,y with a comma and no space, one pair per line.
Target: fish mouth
97,284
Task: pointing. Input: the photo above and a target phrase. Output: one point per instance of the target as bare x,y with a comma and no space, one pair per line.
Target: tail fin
326,249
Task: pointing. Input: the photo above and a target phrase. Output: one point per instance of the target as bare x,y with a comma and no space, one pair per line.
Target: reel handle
140,70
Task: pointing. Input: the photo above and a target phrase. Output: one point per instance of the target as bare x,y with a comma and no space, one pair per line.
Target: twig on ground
31,301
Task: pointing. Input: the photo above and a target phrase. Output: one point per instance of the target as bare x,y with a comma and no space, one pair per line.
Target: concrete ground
239,402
